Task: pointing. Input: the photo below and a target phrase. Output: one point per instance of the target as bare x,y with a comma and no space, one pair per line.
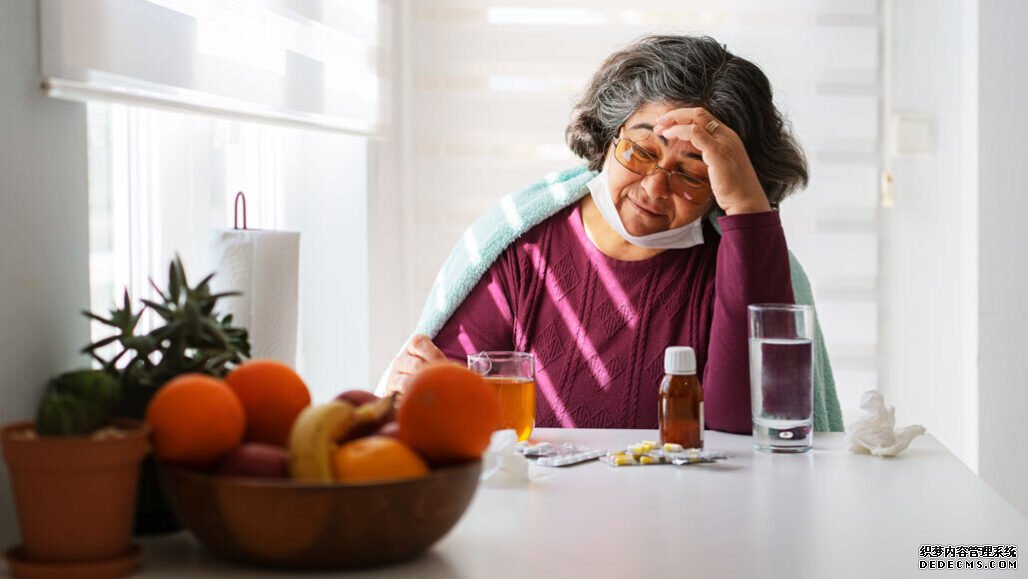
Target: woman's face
645,203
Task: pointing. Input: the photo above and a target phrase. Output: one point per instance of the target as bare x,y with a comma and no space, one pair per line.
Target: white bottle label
701,421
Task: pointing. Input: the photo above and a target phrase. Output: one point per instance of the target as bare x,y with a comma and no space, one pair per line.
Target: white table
829,513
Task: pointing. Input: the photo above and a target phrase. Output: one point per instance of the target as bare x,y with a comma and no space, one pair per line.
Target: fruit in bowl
348,488
373,412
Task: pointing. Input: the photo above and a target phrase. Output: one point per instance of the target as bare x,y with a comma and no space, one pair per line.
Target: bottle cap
679,360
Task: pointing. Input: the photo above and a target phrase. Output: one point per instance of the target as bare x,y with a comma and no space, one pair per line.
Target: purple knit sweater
598,326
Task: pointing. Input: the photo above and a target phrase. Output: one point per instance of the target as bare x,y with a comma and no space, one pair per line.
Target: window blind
491,85
302,62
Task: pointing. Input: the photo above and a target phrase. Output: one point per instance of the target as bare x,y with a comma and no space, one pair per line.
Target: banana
313,439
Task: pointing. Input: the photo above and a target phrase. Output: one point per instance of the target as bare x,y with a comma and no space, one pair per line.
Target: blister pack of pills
566,454
648,452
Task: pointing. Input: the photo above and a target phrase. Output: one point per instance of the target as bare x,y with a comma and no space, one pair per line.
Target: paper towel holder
235,221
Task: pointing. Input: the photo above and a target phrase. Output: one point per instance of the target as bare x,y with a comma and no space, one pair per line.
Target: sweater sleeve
485,319
752,267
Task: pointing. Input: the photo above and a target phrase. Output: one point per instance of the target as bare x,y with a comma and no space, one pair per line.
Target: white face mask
679,238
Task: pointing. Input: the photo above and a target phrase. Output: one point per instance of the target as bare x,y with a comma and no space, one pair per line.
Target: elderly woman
664,240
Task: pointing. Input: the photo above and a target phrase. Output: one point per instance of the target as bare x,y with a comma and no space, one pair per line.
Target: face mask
679,238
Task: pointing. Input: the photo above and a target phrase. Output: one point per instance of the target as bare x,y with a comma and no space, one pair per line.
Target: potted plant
190,337
74,473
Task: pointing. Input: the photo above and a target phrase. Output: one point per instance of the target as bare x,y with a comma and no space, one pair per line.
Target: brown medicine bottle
680,412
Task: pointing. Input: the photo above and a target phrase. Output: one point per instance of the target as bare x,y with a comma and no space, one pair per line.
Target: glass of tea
513,376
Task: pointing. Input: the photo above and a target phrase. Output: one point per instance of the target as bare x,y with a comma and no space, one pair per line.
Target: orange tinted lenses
637,160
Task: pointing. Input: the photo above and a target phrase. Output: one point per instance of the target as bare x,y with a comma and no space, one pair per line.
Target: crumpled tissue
875,432
502,464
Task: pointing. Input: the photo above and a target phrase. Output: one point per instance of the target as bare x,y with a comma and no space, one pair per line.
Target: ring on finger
712,126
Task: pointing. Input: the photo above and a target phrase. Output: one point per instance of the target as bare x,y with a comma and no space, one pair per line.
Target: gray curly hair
690,71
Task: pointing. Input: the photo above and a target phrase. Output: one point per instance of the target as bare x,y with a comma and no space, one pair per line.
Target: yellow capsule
649,460
672,447
623,460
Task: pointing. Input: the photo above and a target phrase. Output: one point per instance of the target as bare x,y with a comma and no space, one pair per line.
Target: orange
273,396
377,459
448,414
195,419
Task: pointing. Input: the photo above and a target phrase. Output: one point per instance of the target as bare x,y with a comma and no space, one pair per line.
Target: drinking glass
513,376
782,377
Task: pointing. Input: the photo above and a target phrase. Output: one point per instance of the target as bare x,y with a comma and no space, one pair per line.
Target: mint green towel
498,227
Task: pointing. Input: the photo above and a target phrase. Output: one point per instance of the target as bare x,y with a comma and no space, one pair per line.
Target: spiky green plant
192,337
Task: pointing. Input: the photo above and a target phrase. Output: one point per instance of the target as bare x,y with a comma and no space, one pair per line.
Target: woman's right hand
418,352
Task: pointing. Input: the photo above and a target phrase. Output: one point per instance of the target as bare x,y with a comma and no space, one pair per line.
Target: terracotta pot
75,495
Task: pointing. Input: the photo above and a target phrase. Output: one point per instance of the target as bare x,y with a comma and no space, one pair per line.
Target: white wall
43,231
955,275
1003,259
922,344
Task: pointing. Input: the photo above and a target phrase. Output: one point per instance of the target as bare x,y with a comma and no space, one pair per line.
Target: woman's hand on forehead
682,116
733,180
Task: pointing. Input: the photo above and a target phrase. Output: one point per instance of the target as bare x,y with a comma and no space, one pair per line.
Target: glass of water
782,377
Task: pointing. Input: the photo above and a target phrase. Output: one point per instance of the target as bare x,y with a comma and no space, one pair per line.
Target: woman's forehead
649,111
639,126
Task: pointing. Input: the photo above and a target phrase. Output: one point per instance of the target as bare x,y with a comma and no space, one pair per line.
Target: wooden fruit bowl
296,525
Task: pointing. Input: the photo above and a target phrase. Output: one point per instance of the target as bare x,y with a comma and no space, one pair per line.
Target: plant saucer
24,568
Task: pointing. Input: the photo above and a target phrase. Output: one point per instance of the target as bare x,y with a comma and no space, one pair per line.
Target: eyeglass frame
656,166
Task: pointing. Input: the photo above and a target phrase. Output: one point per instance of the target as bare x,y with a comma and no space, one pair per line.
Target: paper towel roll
265,266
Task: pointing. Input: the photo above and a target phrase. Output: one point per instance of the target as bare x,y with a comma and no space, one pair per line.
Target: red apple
357,397
255,459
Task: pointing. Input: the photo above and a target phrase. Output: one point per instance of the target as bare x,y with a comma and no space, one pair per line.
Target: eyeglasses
641,162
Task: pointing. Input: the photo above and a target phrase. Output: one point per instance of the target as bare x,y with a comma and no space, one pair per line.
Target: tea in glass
513,376
517,404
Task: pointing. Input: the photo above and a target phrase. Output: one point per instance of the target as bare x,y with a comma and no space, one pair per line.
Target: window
161,183
191,101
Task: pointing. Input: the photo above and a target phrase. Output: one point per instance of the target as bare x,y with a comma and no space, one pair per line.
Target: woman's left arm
752,262
752,267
